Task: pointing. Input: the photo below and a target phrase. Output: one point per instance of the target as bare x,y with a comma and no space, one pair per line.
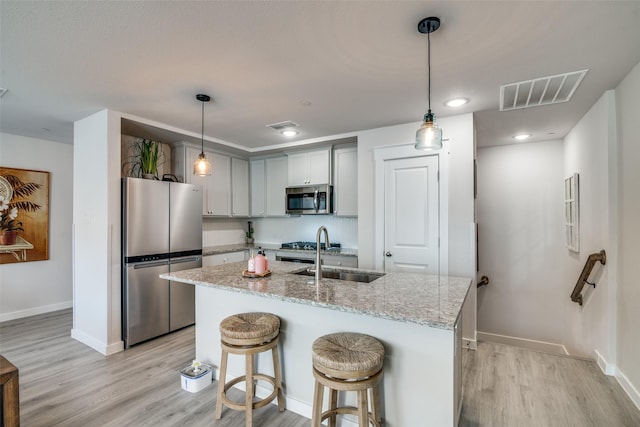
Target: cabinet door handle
388,254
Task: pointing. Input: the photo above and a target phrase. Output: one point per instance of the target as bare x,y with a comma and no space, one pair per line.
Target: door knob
388,253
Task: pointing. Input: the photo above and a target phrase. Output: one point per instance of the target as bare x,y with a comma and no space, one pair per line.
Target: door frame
406,151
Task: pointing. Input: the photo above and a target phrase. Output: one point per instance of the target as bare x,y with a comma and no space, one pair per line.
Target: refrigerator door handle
182,260
150,264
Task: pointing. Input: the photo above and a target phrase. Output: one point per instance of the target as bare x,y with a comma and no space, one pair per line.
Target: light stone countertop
406,297
222,249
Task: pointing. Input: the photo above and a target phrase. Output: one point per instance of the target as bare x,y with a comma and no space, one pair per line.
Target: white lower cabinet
219,259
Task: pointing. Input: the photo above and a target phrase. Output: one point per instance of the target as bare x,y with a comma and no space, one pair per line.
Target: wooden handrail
576,295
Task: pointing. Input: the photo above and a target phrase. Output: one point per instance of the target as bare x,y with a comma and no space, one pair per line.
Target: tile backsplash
226,231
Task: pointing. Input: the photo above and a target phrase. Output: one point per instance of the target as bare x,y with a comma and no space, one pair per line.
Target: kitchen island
415,316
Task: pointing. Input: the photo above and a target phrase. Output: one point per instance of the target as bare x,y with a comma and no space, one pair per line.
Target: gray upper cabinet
276,182
268,183
345,181
309,167
217,188
258,186
239,187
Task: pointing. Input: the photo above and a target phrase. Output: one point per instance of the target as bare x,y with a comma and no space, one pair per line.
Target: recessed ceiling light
522,136
289,133
456,102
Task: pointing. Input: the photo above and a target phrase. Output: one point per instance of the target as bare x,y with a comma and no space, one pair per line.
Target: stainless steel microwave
310,200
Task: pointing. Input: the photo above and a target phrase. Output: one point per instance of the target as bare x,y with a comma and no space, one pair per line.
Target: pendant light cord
202,133
429,69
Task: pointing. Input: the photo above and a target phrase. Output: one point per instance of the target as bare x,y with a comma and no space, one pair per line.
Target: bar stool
347,361
248,334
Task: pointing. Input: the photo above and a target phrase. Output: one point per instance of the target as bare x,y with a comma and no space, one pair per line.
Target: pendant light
202,167
429,135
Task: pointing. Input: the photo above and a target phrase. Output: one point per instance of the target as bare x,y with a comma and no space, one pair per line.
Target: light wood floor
508,386
65,383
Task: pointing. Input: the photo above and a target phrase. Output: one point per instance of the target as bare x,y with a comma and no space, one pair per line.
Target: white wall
628,295
588,328
96,222
521,241
37,287
457,185
305,227
228,231
459,129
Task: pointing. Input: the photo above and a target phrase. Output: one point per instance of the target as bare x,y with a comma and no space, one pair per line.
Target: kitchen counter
221,249
416,317
407,297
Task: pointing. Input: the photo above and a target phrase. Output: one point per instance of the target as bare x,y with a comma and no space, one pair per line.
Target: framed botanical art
24,215
572,212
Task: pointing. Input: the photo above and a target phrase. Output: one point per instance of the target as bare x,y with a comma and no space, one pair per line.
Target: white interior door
411,214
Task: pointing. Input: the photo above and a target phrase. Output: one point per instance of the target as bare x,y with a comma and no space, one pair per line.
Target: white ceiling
333,67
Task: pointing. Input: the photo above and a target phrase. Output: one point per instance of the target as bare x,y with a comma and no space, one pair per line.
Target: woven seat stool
347,361
249,334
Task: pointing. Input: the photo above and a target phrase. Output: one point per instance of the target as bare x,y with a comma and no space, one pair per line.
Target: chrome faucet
327,245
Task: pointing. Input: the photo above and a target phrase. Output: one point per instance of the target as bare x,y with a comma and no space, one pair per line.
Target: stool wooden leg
333,404
248,401
375,404
363,409
221,381
276,373
318,393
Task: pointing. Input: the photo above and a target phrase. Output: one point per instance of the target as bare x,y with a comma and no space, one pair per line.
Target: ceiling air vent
541,91
283,125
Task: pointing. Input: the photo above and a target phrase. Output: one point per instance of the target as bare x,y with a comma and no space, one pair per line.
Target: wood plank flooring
508,386
65,383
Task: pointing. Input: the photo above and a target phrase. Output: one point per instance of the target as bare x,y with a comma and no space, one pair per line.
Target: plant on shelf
146,156
249,232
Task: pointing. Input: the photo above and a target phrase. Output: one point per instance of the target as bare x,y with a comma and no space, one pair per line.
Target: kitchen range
305,252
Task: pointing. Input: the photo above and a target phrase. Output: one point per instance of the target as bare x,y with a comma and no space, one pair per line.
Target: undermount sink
354,276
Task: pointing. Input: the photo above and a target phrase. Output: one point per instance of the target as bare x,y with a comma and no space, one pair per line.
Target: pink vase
8,238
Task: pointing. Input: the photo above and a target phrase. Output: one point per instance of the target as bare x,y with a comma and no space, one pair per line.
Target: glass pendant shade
429,135
202,166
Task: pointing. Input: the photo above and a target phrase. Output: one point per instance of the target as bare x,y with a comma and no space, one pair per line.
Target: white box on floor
193,379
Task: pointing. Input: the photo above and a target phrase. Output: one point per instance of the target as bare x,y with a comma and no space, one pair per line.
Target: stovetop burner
307,246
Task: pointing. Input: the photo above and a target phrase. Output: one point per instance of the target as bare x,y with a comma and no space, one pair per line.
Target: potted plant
146,156
9,226
249,233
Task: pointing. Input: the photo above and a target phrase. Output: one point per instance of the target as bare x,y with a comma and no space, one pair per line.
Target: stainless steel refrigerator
161,232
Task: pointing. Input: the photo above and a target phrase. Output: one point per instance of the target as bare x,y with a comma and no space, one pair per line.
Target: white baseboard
97,345
469,343
542,346
628,387
35,310
606,367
